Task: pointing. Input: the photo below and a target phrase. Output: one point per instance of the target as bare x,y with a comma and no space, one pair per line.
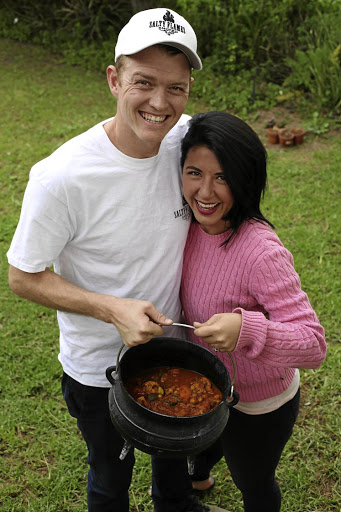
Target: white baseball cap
158,26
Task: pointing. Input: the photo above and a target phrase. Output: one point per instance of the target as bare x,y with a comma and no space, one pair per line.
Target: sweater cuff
252,334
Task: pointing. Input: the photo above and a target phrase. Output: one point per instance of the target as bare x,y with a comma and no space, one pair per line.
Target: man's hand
221,331
137,321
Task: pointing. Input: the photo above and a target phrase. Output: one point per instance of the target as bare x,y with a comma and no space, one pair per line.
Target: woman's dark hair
242,158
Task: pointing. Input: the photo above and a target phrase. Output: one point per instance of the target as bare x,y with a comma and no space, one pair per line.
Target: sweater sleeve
289,335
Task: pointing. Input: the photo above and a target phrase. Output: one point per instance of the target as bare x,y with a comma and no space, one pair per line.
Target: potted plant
298,134
286,138
272,135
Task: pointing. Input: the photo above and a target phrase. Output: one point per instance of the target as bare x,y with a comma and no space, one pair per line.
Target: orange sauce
174,391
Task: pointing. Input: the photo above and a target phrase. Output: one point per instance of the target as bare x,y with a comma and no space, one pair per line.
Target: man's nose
158,99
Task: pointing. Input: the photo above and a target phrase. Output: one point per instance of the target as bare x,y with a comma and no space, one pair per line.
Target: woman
241,292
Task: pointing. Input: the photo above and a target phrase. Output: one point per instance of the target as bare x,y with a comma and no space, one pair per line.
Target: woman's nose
206,189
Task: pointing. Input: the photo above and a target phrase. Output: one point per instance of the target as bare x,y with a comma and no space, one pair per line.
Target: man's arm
137,321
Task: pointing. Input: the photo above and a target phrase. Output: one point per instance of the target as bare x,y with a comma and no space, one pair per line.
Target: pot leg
125,450
190,465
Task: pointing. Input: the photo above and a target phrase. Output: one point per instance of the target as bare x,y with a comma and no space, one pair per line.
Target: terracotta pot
298,134
286,138
272,135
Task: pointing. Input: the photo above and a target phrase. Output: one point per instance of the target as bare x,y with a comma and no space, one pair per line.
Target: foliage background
50,95
256,53
43,467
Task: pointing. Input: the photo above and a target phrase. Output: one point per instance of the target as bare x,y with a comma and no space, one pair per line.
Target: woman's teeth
207,206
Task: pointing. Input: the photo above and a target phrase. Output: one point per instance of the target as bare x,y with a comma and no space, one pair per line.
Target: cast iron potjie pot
155,433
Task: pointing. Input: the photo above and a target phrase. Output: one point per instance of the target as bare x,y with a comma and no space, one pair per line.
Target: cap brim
193,58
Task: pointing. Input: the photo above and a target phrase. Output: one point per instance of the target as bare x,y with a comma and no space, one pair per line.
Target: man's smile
152,118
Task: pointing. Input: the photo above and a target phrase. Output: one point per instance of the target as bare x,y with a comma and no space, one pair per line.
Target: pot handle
235,398
108,373
234,375
111,369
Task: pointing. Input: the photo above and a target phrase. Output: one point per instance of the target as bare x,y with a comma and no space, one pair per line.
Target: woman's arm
286,334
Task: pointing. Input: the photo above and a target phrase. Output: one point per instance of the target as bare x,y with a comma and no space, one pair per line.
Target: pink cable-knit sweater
254,276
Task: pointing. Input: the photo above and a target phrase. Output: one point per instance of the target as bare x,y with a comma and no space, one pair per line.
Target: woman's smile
206,208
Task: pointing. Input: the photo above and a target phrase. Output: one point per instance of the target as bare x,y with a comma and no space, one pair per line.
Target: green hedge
255,52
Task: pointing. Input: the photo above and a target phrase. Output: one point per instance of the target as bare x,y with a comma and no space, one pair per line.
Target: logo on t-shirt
184,212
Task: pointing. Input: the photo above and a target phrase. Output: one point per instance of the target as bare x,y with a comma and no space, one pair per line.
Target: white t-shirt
108,223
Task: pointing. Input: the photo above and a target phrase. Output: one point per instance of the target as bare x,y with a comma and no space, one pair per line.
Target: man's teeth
153,119
206,206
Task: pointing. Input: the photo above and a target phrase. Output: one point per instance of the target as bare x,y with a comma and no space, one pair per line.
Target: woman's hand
221,331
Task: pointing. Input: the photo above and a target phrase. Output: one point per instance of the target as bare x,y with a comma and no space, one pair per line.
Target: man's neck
136,150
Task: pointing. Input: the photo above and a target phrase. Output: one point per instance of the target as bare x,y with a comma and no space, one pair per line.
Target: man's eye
177,88
143,82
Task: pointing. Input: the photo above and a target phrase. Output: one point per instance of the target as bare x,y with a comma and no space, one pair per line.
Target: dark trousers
109,478
252,447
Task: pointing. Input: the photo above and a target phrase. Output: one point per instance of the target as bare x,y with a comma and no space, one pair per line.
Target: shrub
318,72
63,24
317,69
251,50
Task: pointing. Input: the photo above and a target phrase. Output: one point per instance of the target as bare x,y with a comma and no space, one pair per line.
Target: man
106,211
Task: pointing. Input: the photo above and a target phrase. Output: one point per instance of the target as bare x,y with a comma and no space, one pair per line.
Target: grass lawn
43,465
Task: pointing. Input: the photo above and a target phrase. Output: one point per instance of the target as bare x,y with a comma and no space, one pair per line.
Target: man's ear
112,80
191,83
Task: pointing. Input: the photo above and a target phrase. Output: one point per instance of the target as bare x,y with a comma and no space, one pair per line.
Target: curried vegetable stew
174,391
